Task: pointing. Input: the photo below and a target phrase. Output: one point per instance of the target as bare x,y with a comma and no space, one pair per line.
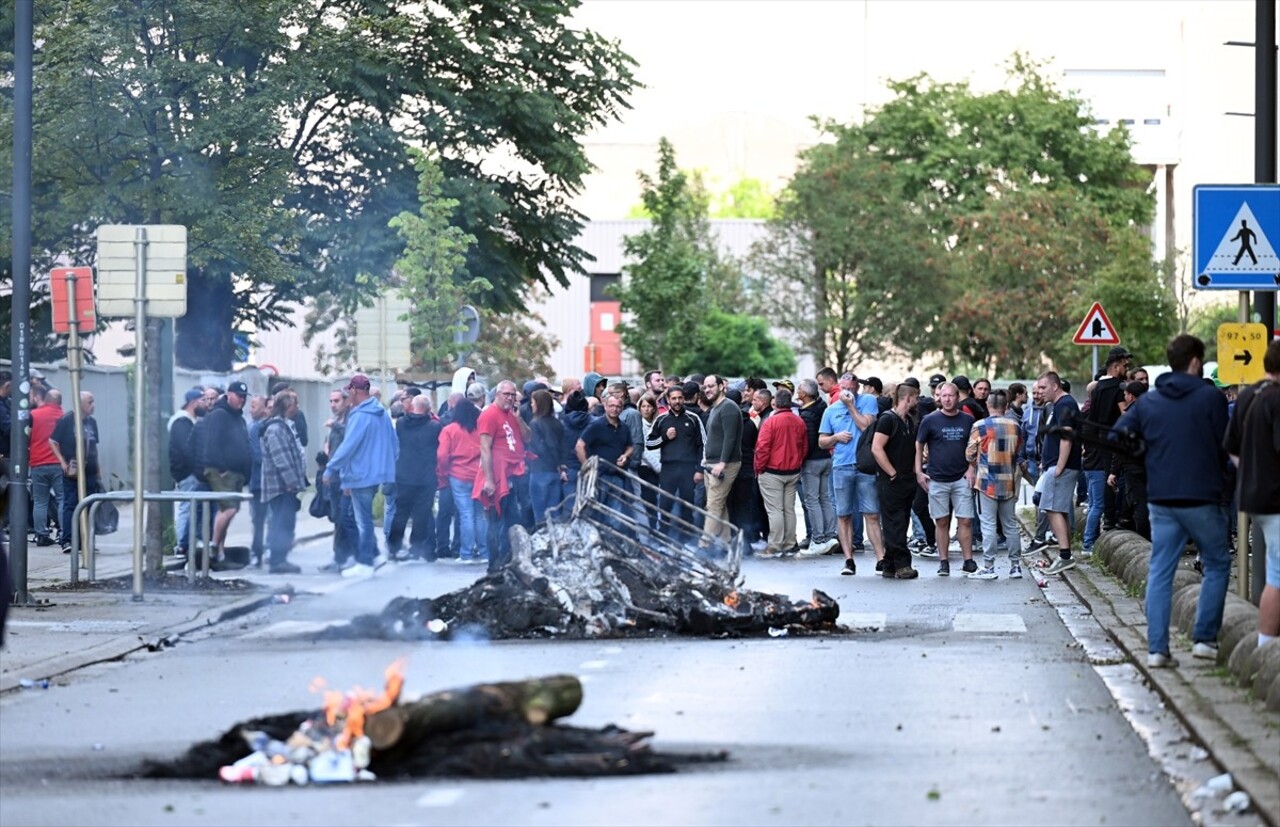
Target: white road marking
442,797
987,623
593,664
864,621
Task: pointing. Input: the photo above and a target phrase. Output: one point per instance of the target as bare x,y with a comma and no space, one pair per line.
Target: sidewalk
68,629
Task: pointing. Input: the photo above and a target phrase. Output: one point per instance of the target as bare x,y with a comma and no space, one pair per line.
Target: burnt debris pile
496,730
603,572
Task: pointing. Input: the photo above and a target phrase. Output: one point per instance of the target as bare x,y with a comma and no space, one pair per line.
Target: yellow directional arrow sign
1240,351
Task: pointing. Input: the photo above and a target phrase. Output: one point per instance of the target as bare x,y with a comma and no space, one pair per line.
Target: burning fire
352,707
732,599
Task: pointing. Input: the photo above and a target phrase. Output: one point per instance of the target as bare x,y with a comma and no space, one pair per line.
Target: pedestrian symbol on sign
1244,248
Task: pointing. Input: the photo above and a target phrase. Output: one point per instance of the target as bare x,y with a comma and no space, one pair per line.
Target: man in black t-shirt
63,443
1060,459
893,447
949,481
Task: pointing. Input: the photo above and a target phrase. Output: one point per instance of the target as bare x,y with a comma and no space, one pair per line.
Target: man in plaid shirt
284,476
993,449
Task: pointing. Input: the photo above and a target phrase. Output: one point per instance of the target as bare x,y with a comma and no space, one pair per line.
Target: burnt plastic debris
602,572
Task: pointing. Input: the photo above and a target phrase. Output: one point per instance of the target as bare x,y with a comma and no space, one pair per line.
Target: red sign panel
85,314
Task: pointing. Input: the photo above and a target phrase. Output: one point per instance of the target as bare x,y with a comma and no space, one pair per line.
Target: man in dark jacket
679,434
183,467
1183,421
1104,409
418,433
222,444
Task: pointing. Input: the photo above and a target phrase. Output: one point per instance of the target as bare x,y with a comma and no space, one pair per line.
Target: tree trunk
533,701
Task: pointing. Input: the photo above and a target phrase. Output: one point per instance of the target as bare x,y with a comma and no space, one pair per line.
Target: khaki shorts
225,482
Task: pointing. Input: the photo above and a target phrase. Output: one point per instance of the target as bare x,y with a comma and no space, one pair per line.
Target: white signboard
166,269
382,339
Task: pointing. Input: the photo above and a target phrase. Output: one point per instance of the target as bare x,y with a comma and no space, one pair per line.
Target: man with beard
679,433
893,446
724,453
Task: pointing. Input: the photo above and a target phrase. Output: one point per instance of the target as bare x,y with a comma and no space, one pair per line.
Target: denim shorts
946,498
868,499
844,489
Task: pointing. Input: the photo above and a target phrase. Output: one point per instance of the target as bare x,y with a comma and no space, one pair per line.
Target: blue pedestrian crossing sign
1234,241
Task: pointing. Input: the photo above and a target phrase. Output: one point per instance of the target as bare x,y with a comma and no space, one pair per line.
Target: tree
733,345
661,294
432,272
513,345
278,132
746,198
853,268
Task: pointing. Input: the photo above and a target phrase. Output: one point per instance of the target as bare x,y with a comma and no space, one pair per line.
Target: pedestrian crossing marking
1244,247
979,623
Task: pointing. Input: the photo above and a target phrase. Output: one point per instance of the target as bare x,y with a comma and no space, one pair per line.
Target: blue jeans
366,533
815,495
46,488
1170,528
1097,481
472,528
282,520
546,491
388,509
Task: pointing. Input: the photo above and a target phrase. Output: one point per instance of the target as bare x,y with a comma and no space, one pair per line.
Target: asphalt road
951,702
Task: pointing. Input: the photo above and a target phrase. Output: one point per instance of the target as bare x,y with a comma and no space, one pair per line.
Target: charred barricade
613,562
494,730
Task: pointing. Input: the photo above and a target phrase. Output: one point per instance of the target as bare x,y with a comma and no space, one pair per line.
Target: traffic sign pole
139,408
74,362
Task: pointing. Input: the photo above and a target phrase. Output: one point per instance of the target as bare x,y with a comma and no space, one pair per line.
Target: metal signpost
140,266
71,289
1096,329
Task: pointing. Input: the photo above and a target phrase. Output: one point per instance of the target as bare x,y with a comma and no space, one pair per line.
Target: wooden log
535,701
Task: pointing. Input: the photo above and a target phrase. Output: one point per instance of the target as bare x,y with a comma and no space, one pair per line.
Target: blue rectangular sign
1233,244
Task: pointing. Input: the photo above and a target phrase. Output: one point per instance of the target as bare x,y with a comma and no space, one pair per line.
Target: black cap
239,389
936,380
912,381
962,382
875,384
1118,353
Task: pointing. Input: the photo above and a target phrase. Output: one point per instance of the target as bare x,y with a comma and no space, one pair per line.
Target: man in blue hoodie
365,460
1183,420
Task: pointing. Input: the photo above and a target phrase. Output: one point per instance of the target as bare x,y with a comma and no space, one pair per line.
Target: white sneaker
1159,660
1205,651
985,573
817,549
359,570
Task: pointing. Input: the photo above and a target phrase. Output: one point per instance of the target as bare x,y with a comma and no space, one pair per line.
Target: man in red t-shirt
46,470
502,486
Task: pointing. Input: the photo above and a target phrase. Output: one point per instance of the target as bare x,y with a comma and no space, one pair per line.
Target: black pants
920,505
414,502
1136,487
447,518
676,482
896,500
650,497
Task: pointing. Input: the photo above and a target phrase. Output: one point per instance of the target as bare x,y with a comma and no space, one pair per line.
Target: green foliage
278,132
967,224
1204,324
851,267
513,344
662,293
746,198
432,271
735,345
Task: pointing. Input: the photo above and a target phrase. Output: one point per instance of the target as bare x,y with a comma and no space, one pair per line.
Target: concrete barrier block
1184,608
1273,696
1265,663
1239,620
1240,657
1183,578
1134,575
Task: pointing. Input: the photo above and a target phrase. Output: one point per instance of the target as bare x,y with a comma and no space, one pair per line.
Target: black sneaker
804,544
944,568
1037,543
44,540
906,573
879,565
859,547
284,568
850,567
970,566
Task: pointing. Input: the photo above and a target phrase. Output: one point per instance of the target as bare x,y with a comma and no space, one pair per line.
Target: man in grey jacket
723,455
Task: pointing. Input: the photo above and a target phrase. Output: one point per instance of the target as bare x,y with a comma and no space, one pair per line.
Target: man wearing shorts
944,435
1062,460
225,456
854,493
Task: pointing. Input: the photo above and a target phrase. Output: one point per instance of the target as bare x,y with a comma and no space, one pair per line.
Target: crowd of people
885,465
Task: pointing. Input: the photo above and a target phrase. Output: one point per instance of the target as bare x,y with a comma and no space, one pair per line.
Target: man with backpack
844,421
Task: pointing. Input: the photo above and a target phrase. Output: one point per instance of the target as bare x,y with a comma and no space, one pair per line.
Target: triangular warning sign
1244,248
1096,328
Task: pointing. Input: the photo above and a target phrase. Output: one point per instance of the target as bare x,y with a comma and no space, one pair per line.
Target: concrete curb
1126,555
120,647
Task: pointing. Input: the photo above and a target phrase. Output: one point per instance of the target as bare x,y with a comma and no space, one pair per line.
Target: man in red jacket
779,457
46,471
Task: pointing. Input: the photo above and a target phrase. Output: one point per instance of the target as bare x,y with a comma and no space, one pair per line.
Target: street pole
139,409
1242,518
20,398
74,363
1264,131
1095,364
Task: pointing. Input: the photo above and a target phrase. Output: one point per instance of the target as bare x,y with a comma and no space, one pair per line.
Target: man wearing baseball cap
365,460
221,444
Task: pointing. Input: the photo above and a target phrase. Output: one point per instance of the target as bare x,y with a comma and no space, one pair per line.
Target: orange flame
732,599
352,707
